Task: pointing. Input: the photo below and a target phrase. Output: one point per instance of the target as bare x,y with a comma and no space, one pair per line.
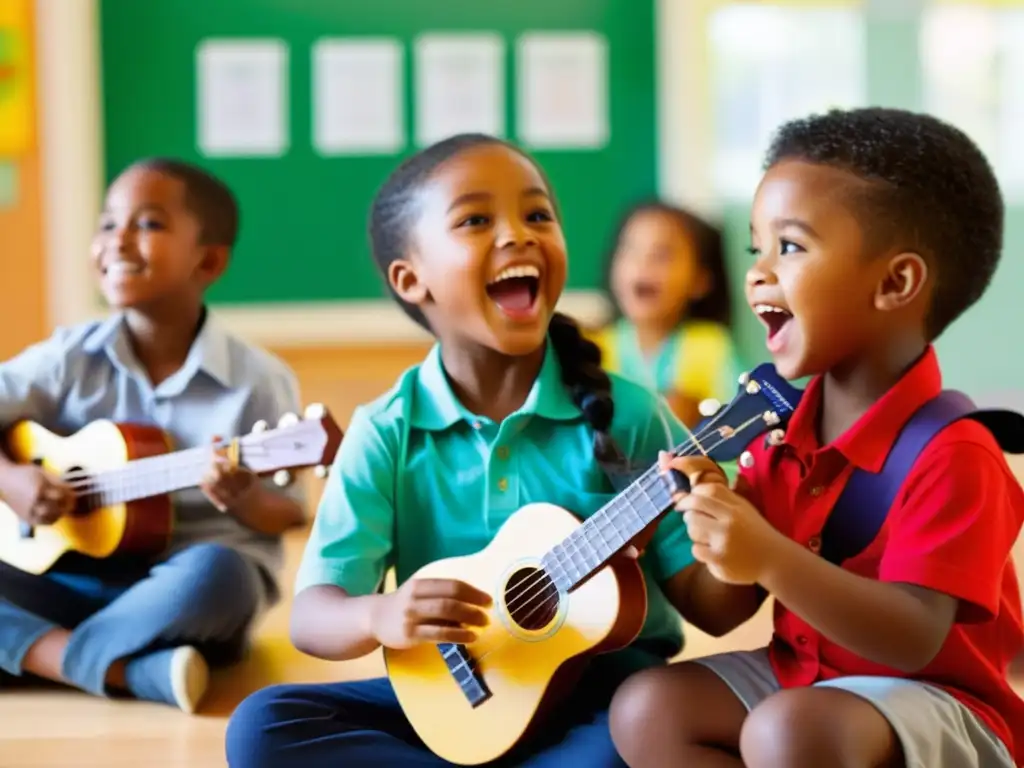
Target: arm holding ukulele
955,514
338,613
31,387
233,489
709,604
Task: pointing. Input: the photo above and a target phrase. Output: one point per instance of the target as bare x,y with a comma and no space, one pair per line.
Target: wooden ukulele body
527,665
138,527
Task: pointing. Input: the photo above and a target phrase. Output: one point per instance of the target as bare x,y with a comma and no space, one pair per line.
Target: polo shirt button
816,490
503,484
814,544
801,639
503,452
477,425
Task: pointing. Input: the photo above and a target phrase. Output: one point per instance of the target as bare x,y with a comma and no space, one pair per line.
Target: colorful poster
16,99
8,184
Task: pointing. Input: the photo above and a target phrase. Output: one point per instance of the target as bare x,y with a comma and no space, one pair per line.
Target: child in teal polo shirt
510,407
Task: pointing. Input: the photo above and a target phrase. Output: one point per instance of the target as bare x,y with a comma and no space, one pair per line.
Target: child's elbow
920,651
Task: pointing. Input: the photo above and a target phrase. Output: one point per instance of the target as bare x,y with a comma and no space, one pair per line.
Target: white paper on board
242,97
562,89
460,85
358,96
761,78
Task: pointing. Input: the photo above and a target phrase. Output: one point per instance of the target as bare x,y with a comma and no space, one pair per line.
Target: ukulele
558,595
122,475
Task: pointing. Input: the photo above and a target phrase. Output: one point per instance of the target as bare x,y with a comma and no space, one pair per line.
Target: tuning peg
771,418
260,426
752,387
746,459
320,471
744,378
282,478
287,420
709,407
776,436
315,411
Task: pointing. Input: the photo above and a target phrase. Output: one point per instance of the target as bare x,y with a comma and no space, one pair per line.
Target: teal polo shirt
419,478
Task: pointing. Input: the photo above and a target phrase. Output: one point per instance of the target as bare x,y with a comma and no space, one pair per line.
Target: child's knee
250,740
673,707
216,568
811,727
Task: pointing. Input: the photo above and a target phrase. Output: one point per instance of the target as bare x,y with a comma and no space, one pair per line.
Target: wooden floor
60,728
56,728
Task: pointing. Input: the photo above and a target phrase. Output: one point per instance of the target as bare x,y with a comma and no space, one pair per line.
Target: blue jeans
357,724
206,596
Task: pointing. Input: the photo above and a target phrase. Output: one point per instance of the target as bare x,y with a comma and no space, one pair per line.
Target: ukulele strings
536,588
685,449
135,475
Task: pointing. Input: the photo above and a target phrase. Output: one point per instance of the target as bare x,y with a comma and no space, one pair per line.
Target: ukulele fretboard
608,530
141,478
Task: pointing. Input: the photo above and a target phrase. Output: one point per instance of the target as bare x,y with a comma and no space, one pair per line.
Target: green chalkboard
303,232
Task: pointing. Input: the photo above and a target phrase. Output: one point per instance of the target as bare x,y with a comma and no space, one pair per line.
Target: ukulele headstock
296,443
764,402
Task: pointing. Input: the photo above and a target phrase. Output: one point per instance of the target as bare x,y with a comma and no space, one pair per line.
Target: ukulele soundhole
531,599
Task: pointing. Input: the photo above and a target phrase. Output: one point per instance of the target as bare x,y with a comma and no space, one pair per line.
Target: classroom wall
22,262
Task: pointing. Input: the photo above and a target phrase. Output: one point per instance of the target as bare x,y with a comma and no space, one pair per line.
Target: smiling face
147,246
812,284
486,259
655,270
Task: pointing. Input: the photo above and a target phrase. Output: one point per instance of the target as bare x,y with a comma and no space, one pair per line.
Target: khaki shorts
936,730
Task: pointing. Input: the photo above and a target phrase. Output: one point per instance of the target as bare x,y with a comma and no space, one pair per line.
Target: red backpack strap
860,512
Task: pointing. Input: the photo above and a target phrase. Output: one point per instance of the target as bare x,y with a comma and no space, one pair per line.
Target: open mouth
121,269
774,317
515,290
645,290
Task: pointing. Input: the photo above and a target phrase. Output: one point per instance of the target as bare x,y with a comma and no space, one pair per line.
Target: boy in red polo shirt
871,231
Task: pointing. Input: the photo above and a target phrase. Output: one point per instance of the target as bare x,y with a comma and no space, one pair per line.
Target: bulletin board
885,55
304,214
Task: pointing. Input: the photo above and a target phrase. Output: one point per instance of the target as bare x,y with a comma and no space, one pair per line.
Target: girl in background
672,328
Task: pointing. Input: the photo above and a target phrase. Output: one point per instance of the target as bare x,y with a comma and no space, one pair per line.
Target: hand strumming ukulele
122,475
555,601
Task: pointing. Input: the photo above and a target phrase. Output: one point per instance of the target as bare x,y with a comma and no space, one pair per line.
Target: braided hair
392,217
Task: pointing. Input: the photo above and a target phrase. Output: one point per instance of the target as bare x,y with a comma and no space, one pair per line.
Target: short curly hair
207,198
930,190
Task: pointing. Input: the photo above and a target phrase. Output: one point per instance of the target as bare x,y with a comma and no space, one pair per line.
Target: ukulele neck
144,478
588,548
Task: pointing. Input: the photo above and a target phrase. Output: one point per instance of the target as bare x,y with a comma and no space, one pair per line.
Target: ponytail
589,386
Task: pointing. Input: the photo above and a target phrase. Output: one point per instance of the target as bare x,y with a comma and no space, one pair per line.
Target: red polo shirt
951,529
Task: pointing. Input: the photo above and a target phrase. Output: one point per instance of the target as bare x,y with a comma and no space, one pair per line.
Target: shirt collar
435,406
209,352
866,444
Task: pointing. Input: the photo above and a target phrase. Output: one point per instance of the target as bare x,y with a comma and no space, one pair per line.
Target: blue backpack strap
858,515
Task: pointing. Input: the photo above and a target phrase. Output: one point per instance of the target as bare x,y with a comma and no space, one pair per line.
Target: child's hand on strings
429,611
228,484
729,535
36,496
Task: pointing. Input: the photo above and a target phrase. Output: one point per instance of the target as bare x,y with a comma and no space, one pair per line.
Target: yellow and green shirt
698,360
